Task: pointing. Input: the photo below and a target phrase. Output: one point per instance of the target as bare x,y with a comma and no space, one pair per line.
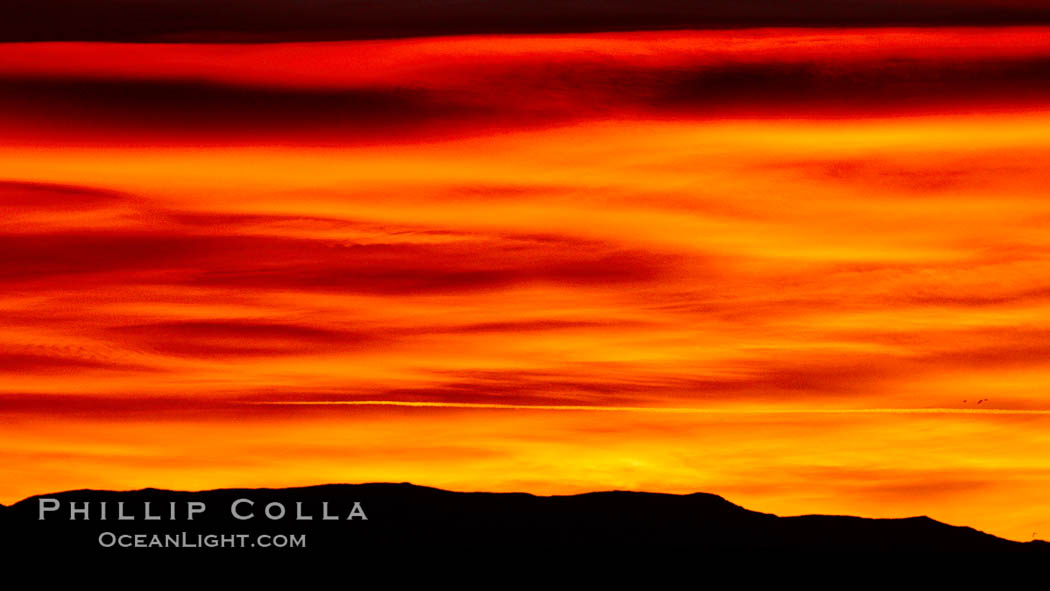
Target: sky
802,268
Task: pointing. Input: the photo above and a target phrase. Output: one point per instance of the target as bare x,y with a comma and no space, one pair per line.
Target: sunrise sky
805,269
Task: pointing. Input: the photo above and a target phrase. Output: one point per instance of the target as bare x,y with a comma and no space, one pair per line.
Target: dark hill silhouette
406,520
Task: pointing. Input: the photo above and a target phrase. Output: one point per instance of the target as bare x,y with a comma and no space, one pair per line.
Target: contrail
654,409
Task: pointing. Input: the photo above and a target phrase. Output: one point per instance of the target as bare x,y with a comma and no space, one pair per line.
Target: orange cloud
666,261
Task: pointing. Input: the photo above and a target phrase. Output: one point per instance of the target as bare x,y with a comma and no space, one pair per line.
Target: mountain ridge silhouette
404,519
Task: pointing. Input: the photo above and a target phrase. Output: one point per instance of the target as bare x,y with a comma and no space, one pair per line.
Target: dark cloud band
304,20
